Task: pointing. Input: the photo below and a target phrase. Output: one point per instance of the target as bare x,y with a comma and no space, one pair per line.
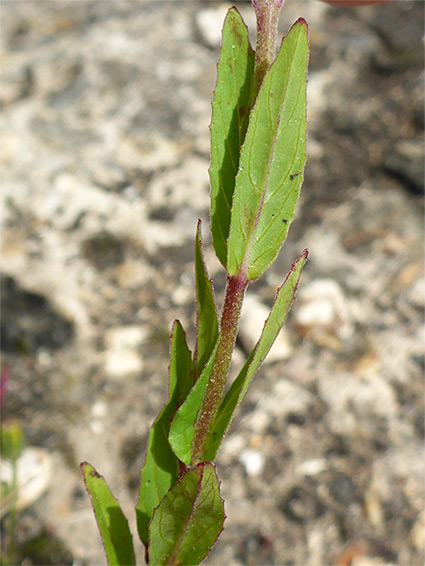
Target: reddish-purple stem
267,13
235,291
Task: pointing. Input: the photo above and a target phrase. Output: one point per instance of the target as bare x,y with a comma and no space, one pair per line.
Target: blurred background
104,156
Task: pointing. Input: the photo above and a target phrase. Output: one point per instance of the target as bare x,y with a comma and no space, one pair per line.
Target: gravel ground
105,151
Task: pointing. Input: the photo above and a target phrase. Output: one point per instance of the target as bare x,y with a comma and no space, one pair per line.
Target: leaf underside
161,466
282,303
272,161
188,520
113,526
230,114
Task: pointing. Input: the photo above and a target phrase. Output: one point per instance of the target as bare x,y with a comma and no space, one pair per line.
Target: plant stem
234,294
267,13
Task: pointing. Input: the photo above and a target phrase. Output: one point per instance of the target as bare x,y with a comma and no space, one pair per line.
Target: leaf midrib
180,540
251,239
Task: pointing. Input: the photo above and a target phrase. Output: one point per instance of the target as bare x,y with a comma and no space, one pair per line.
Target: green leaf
272,161
161,466
230,113
188,520
282,303
206,317
182,428
113,525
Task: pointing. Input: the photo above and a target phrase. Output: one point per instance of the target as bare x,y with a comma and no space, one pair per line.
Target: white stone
286,397
97,427
181,295
258,421
150,156
253,461
125,337
238,361
99,409
417,293
322,309
312,467
346,392
210,23
34,474
121,356
232,445
44,357
121,363
176,187
417,534
253,317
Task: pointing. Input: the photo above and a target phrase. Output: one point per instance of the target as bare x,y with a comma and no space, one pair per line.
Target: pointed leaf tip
161,466
271,161
230,114
282,303
113,526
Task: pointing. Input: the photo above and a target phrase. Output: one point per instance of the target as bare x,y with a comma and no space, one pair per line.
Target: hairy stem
235,291
267,13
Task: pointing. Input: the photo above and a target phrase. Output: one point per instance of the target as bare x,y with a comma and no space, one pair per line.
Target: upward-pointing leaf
230,113
272,161
282,303
182,430
161,465
206,310
113,525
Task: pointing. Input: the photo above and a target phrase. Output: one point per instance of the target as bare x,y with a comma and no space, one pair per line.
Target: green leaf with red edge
188,520
182,430
113,526
271,161
161,467
206,310
230,114
284,298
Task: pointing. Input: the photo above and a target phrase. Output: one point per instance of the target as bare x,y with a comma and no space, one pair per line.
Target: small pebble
312,467
99,409
122,356
418,533
34,474
97,427
322,310
254,315
121,363
209,23
125,337
253,461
